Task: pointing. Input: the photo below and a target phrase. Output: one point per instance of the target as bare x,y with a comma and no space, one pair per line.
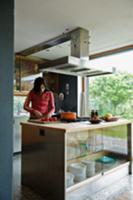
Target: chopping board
39,121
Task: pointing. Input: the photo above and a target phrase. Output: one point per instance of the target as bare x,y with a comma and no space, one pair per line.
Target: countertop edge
78,126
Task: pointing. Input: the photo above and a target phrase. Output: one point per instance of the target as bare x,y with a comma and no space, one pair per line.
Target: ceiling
110,23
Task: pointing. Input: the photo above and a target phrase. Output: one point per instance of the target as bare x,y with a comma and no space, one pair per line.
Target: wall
6,97
68,86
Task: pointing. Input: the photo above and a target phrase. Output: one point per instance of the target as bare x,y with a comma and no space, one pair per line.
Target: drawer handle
42,132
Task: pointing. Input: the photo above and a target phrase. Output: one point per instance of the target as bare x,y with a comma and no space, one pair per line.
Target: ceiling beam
112,51
47,44
64,37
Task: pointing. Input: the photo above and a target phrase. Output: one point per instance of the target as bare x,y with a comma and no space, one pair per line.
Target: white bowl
78,170
69,179
90,164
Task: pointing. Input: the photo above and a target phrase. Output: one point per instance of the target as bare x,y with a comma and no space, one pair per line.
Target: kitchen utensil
106,160
68,115
96,121
112,119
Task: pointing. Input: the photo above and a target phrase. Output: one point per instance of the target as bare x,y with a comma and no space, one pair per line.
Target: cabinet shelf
20,93
97,176
101,168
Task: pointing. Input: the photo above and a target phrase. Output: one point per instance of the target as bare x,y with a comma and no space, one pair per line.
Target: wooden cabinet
24,67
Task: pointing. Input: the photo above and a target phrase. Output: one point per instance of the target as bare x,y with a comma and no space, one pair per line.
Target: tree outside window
113,94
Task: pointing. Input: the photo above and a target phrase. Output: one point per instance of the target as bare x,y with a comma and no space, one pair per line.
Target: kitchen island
56,156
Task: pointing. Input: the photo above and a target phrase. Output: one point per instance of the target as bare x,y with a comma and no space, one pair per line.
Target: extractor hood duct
78,63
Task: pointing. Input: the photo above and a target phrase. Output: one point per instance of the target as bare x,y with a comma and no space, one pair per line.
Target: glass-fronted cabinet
95,152
70,157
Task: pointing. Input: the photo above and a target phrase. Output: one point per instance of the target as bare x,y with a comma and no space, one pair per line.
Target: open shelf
97,176
101,168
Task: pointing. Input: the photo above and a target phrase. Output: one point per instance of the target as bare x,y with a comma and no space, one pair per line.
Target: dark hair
37,84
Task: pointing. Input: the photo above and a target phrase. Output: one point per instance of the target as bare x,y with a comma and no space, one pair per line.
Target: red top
43,103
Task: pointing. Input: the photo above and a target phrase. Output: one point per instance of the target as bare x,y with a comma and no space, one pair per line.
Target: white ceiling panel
110,23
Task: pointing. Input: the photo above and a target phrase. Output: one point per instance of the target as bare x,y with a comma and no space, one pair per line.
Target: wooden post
129,145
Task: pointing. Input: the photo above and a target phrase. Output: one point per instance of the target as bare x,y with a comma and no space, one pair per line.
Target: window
113,93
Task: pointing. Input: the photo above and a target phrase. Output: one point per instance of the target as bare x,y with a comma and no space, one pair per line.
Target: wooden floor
120,190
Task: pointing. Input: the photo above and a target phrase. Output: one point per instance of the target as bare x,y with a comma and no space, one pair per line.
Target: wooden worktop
77,126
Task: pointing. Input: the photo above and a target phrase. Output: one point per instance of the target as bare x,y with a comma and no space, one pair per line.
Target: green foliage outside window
113,94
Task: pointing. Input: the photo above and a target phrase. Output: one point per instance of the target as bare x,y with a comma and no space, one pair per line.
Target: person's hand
37,114
48,115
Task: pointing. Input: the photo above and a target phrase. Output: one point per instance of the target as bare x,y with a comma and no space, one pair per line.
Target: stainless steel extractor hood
78,63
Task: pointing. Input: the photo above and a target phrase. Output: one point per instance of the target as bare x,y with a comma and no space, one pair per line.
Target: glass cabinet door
94,152
114,147
83,149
